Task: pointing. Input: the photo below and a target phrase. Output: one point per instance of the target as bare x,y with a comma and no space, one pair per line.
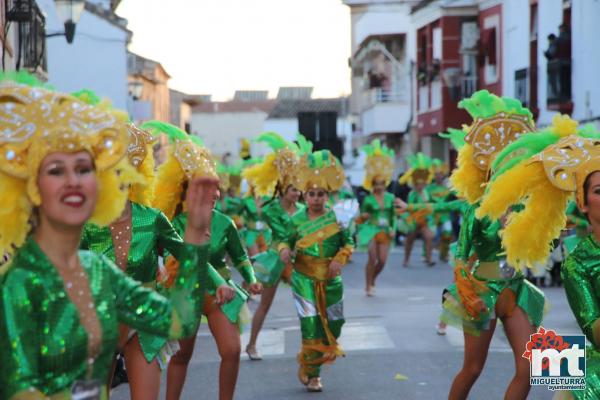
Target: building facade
22,38
97,58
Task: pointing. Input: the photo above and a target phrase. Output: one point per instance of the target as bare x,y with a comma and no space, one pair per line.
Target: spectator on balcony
552,50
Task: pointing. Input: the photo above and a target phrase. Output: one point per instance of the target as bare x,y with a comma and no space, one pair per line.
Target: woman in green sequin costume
276,174
484,290
60,307
377,222
576,156
322,248
418,176
188,154
439,192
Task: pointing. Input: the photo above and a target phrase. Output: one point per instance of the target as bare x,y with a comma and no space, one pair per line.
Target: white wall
385,118
286,127
96,60
222,132
515,22
586,59
382,19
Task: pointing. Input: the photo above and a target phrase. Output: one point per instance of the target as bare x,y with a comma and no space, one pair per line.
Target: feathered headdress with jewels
379,164
37,122
541,171
420,169
278,168
186,158
320,169
139,150
497,122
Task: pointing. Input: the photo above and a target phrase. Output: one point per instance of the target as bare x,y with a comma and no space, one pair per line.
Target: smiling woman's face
592,198
68,188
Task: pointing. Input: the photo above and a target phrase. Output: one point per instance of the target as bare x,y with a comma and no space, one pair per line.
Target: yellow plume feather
467,179
263,177
528,234
113,192
169,186
509,188
143,193
15,210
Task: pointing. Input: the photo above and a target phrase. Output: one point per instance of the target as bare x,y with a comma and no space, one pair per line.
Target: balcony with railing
559,84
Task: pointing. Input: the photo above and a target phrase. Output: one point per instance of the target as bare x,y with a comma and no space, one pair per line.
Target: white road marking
271,342
365,337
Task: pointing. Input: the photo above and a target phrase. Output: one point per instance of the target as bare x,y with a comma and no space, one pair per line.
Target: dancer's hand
255,288
200,200
400,205
224,294
335,269
285,255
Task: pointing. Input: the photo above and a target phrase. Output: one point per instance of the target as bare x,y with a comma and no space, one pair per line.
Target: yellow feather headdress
541,171
497,121
320,169
37,122
186,158
379,163
279,167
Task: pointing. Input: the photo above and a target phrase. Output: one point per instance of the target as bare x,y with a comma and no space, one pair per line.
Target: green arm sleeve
18,333
178,226
175,316
582,298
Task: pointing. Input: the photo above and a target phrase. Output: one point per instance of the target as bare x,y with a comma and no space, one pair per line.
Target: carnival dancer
275,176
439,192
377,222
62,163
133,242
418,176
256,233
542,172
485,290
230,202
223,318
322,248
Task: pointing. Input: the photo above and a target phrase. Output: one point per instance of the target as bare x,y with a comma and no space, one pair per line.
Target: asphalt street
392,349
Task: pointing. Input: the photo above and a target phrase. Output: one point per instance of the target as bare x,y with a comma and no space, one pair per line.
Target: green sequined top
581,279
305,229
44,343
150,232
478,237
224,240
279,220
385,217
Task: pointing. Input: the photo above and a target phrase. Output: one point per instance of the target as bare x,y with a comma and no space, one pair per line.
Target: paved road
393,351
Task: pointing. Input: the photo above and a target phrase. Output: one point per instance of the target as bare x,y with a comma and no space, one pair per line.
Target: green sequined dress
150,231
380,219
225,241
267,265
42,327
581,280
254,224
479,238
318,300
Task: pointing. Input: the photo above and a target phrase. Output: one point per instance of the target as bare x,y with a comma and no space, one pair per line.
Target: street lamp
69,12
